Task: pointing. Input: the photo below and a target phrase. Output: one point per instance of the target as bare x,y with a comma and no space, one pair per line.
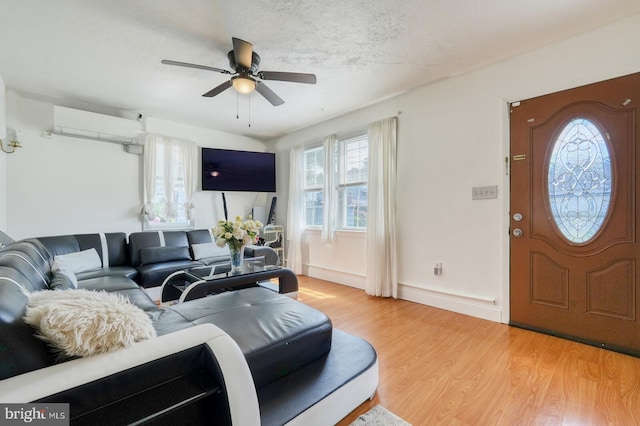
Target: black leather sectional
249,356
148,257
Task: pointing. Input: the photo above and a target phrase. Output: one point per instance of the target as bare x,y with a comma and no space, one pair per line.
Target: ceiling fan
246,77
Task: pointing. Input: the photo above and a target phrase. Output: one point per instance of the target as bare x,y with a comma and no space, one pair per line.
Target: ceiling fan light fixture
243,84
244,63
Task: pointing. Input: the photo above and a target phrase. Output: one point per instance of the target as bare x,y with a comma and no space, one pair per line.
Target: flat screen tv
230,170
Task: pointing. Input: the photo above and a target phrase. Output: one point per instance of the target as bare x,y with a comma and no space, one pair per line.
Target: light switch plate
484,192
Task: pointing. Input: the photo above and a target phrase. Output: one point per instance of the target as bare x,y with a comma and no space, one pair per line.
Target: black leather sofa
149,257
249,356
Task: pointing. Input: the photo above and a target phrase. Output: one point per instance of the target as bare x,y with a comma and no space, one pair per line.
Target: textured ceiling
104,55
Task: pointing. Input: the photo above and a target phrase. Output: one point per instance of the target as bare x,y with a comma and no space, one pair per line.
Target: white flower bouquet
236,233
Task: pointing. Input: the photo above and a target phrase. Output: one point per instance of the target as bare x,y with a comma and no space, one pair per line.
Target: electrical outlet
437,269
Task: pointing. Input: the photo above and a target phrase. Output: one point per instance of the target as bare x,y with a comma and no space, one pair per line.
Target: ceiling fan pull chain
249,109
237,106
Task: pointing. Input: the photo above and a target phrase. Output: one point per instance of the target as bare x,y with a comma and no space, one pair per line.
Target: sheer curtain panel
330,190
169,182
295,209
382,270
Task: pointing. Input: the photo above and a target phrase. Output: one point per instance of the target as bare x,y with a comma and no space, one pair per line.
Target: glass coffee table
202,281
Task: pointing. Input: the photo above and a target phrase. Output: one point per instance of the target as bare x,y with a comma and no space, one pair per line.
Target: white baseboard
475,307
341,277
462,304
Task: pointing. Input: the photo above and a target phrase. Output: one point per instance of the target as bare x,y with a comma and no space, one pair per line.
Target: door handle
517,232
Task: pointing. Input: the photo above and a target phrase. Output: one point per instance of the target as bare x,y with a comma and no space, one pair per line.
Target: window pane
314,205
580,180
356,160
314,167
354,173
355,199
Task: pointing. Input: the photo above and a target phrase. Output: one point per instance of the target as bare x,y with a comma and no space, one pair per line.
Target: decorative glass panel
580,180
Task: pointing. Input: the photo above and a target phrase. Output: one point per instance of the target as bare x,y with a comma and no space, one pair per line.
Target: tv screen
229,170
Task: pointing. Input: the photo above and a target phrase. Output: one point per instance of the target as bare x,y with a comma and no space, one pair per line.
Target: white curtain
382,271
179,161
149,177
188,154
330,191
295,209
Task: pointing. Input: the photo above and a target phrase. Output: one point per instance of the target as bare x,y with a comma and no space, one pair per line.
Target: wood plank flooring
439,367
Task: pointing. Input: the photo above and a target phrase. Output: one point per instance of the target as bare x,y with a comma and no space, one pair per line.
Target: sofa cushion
82,323
112,247
122,271
121,285
210,250
163,254
150,239
60,244
20,352
200,236
63,279
82,261
30,259
276,334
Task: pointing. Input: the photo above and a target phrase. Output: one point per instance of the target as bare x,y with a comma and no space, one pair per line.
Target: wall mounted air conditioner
105,128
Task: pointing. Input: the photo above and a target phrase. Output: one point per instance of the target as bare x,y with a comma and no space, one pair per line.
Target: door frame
505,219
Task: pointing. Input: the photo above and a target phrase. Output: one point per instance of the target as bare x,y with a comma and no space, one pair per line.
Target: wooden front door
574,238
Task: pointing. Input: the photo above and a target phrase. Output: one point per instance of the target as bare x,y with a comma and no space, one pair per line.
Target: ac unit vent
93,126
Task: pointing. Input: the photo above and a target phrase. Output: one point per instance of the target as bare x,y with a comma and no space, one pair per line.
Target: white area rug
379,416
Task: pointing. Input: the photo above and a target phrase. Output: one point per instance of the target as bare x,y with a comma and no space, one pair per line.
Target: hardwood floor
439,367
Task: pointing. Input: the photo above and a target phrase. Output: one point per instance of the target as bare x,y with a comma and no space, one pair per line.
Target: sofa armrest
269,254
238,382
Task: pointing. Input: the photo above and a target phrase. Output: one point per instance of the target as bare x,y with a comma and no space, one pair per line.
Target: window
169,183
580,180
349,162
353,175
313,185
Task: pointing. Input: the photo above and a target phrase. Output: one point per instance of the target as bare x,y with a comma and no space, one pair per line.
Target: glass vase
237,257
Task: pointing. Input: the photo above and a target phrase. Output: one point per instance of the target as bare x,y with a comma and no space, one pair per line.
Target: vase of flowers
236,234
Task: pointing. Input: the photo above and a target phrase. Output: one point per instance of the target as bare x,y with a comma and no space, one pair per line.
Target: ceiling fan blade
268,94
188,65
243,52
294,77
217,90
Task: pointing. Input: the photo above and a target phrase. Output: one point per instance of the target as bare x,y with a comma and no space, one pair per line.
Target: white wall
453,135
61,185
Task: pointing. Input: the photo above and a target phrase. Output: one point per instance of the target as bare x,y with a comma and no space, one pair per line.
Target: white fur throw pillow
82,323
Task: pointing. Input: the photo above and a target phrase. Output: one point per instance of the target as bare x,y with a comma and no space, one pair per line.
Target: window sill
167,227
347,230
341,233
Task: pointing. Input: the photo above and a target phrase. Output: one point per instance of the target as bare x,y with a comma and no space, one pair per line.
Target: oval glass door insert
580,180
